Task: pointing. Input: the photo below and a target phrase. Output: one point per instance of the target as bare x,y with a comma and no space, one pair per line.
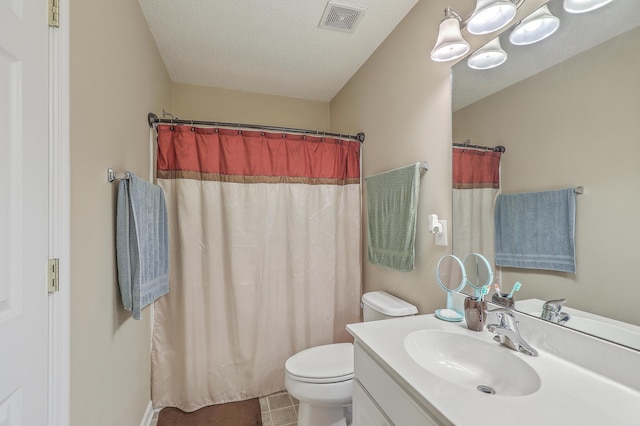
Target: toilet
321,378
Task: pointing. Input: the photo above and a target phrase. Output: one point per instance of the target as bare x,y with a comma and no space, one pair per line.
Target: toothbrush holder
475,313
502,300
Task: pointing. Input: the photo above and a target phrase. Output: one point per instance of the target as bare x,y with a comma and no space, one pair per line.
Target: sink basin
472,363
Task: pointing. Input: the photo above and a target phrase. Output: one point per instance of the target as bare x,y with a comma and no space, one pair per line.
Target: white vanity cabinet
379,400
365,411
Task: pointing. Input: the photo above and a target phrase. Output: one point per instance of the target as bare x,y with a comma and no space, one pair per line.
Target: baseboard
147,418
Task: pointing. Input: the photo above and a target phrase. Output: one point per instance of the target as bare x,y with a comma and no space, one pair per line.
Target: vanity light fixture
535,27
582,6
490,16
450,44
489,56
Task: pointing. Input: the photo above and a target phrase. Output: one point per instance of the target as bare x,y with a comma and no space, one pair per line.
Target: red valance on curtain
476,169
230,155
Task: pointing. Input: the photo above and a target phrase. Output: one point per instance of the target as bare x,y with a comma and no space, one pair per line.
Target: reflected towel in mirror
536,230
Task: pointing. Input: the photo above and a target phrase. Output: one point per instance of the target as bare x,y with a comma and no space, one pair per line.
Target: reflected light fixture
488,56
490,16
582,6
450,44
535,27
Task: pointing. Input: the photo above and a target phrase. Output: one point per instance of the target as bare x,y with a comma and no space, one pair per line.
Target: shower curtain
476,185
265,259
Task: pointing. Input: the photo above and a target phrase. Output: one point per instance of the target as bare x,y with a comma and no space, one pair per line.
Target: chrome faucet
551,312
507,332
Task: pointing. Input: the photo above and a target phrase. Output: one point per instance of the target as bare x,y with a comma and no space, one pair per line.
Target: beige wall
576,124
215,104
117,77
401,100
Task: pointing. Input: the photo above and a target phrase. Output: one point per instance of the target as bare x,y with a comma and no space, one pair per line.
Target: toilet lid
322,364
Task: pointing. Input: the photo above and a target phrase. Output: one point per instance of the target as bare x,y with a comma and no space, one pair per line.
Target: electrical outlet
442,237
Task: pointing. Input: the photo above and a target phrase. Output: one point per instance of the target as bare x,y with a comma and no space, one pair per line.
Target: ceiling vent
341,17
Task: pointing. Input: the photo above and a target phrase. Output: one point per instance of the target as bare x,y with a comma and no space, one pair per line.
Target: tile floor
279,409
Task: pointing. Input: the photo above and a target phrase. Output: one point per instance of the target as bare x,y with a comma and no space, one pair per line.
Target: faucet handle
554,305
503,315
506,311
506,317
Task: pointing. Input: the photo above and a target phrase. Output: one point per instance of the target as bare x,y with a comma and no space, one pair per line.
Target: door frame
59,393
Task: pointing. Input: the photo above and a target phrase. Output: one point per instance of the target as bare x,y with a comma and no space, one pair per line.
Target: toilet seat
322,364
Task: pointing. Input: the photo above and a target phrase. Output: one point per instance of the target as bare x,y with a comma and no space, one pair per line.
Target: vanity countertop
568,394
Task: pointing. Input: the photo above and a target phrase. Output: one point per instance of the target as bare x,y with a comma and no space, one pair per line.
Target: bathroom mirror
479,272
451,277
568,123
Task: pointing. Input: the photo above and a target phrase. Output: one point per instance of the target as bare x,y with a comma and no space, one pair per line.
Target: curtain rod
154,119
467,144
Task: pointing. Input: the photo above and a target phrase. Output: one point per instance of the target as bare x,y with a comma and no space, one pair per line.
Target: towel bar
113,175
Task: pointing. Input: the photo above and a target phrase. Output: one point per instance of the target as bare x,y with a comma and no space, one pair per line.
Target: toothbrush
515,288
497,288
484,291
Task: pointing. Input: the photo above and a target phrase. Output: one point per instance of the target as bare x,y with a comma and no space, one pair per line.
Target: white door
23,212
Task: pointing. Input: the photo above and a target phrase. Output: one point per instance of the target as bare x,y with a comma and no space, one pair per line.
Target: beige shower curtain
264,259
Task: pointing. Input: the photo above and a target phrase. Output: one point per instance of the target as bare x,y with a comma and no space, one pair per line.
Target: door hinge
54,13
53,276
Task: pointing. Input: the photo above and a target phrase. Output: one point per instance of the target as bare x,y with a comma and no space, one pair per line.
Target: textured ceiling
270,46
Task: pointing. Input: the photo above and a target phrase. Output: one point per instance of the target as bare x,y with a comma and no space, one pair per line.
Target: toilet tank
379,305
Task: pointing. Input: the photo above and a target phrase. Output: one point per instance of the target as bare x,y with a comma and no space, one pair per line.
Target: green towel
392,205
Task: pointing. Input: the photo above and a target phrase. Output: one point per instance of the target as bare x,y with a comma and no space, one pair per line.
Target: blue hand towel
142,248
536,230
392,204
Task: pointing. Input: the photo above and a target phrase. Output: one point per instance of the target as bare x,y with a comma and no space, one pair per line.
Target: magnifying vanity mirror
479,272
451,276
567,110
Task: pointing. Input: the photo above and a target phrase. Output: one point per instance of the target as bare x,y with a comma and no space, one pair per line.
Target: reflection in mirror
451,276
587,322
570,123
479,272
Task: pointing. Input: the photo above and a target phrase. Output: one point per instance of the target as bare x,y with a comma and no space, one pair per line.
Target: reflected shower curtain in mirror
265,259
476,185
